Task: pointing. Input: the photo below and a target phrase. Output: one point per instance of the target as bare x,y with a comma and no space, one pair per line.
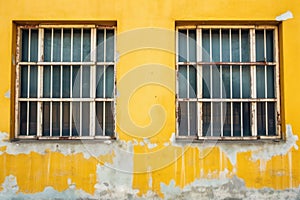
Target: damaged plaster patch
7,94
285,16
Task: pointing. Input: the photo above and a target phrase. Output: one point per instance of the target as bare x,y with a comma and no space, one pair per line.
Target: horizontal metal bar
67,26
65,99
65,63
226,100
74,137
227,138
227,63
226,26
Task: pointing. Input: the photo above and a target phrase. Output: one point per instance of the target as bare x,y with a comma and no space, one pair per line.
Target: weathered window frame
92,100
252,100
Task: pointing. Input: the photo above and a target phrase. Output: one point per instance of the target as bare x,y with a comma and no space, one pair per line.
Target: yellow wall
158,160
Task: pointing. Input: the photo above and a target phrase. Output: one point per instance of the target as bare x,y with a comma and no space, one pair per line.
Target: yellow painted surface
162,163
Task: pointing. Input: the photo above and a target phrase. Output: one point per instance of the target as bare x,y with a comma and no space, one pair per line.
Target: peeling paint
7,94
285,16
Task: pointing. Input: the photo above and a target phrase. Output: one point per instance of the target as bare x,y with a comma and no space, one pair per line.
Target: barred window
228,82
65,82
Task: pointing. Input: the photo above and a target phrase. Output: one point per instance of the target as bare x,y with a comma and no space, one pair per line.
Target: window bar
276,56
177,82
40,83
266,86
104,85
51,81
253,83
188,82
81,84
115,74
93,82
241,83
211,90
17,104
199,81
230,74
71,87
28,78
221,82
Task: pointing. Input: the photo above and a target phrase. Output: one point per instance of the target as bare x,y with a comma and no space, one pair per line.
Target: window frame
92,99
253,100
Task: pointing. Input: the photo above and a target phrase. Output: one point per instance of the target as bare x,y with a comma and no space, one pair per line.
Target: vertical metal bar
221,83
115,81
266,86
28,83
93,82
61,85
230,74
277,83
199,82
210,76
104,85
17,82
40,82
253,83
241,83
177,82
188,82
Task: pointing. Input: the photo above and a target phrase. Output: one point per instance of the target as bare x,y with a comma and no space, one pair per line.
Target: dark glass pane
260,81
226,81
109,81
182,45
216,45
32,118
235,45
109,120
271,118
57,44
25,41
47,44
206,111
99,81
110,49
206,81
76,82
245,45
216,92
23,118
66,81
75,119
205,45
236,119
236,82
34,45
183,119
193,81
225,45
46,119
33,81
99,118
192,46
246,119
100,45
85,119
67,45
66,119
182,81
76,45
193,118
216,119
86,45
24,81
246,83
227,119
86,81
261,118
259,45
56,119
46,79
270,45
270,82
56,82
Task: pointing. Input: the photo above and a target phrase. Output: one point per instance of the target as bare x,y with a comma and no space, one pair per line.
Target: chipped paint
285,16
7,94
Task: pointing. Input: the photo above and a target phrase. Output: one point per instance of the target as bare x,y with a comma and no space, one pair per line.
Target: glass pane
215,45
227,120
75,119
109,121
109,82
245,45
182,45
216,92
32,118
236,82
261,118
259,45
46,119
76,45
182,81
269,45
34,45
192,46
76,82
56,119
193,81
100,45
193,118
86,81
47,44
270,82
225,45
56,82
271,119
183,119
236,119
99,81
99,118
110,45
206,81
23,118
46,79
25,41
66,119
246,83
57,44
260,81
86,45
206,111
235,45
246,119
86,119
67,45
216,119
226,81
33,81
24,81
66,81
205,45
